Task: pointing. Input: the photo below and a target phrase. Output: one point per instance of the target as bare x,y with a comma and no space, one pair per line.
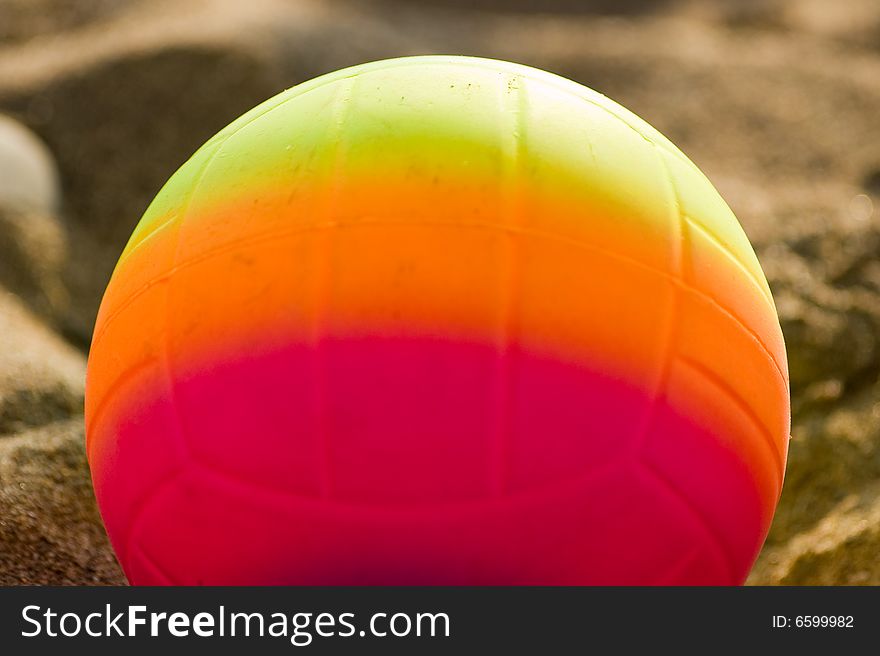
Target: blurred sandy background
778,101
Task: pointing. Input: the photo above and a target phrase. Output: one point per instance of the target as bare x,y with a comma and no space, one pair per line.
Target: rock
28,179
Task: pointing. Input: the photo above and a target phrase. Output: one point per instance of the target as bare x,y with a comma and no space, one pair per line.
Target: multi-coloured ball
437,320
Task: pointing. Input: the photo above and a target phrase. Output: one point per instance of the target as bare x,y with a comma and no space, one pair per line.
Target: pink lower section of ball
415,461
